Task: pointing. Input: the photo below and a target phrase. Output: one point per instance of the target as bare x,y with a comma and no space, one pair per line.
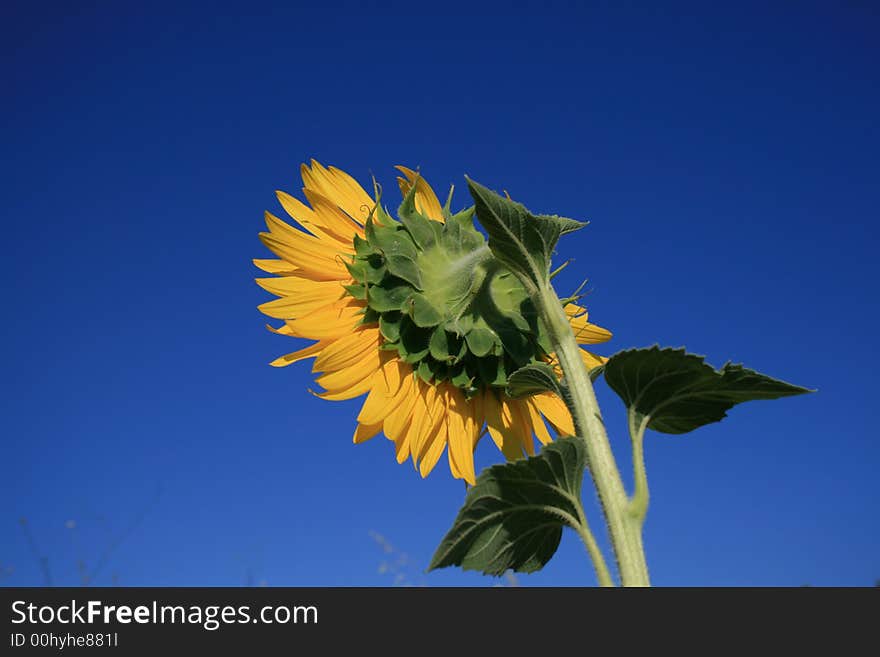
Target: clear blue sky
727,157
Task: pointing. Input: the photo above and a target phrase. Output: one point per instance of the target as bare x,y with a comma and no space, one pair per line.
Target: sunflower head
442,302
416,313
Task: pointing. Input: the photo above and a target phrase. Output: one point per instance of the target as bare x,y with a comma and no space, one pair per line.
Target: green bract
443,301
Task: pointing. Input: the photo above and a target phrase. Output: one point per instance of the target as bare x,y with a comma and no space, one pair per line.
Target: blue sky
726,157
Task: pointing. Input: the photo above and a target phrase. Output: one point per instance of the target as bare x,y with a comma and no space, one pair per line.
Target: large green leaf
513,517
677,392
524,242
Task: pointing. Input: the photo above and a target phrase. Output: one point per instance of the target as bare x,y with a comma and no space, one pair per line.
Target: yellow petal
296,356
337,236
553,408
399,422
538,425
348,349
355,390
584,332
342,190
501,429
354,187
301,304
434,419
478,404
366,431
386,392
453,466
283,286
574,310
333,321
425,418
521,424
592,360
402,442
283,330
300,240
434,446
272,266
460,432
347,377
313,264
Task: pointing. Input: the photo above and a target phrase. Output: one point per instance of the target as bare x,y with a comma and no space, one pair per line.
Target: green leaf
533,379
521,240
513,517
678,392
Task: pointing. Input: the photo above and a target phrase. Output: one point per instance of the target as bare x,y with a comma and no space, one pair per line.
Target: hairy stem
638,503
603,574
623,527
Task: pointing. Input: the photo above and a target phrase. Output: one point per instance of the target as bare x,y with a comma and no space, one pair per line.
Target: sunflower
414,313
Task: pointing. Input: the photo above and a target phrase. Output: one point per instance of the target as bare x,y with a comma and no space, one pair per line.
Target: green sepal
414,341
404,268
461,378
362,247
423,231
492,371
480,341
370,316
512,519
370,230
423,313
533,379
357,291
464,217
446,210
460,325
446,347
677,392
389,326
399,253
368,270
439,370
382,216
383,299
424,372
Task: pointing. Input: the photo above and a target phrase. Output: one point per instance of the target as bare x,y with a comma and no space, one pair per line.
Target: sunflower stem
603,574
638,503
624,527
